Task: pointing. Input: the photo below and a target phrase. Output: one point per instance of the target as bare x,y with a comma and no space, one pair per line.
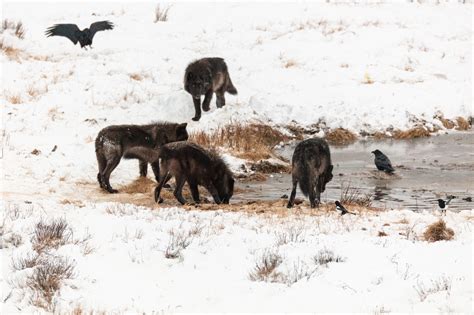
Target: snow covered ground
119,256
361,67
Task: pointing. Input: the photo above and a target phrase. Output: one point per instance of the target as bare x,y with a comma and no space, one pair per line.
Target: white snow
299,63
127,270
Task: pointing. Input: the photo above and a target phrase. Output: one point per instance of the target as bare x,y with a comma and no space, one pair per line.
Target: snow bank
121,267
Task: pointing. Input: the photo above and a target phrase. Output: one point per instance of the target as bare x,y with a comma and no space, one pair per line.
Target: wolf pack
165,145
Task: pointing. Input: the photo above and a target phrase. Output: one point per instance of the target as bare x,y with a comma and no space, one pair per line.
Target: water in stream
426,169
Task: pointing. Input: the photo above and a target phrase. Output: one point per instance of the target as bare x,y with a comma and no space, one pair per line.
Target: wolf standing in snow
134,142
312,169
188,162
204,77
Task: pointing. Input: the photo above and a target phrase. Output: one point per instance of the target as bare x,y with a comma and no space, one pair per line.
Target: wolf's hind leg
194,190
291,200
143,166
158,188
111,165
180,181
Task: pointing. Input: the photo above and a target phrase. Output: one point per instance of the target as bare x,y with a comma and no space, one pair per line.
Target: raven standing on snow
73,32
382,162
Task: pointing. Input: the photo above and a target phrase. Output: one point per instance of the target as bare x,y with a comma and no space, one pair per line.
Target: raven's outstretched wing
100,26
67,30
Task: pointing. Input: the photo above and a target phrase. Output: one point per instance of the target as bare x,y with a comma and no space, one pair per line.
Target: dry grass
289,63
353,196
179,240
265,167
265,267
11,52
416,132
447,123
253,141
161,13
438,231
136,76
463,124
381,234
325,256
340,136
47,279
16,27
26,262
51,235
14,99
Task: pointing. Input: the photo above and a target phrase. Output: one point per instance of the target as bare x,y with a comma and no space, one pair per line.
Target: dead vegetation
161,13
340,136
353,196
250,141
51,235
265,267
416,132
16,28
326,256
179,240
441,284
438,231
136,76
47,278
462,124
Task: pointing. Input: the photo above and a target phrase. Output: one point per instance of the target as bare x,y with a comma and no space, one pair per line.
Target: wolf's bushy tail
230,86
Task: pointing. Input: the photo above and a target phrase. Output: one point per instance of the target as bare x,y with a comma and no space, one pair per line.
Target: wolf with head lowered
205,77
188,162
312,169
140,142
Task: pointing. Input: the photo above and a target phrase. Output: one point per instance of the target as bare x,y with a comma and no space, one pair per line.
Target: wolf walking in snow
188,162
134,142
205,77
312,169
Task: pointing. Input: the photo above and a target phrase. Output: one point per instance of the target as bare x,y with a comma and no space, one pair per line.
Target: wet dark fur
312,169
133,142
188,162
205,77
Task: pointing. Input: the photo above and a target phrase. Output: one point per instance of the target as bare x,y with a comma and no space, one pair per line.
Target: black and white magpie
443,205
340,208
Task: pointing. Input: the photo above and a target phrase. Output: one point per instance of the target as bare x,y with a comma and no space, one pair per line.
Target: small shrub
265,267
297,272
47,279
381,234
353,196
178,241
438,231
325,256
161,13
16,27
292,233
26,262
51,235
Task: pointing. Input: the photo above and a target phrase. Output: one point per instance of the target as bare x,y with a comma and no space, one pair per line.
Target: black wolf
134,142
73,32
188,162
382,162
204,77
312,169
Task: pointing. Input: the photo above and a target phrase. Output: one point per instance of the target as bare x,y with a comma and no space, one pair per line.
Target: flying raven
383,162
73,32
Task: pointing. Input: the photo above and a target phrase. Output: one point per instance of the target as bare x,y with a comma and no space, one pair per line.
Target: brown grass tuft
253,141
447,123
16,27
136,76
265,266
353,196
340,136
381,234
463,124
51,235
438,231
289,63
267,167
14,99
416,132
47,279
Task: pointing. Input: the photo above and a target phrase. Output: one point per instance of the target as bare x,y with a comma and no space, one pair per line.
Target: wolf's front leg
207,100
197,108
213,191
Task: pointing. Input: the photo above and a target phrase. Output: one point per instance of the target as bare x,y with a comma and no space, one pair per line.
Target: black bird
73,32
383,162
340,207
443,205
